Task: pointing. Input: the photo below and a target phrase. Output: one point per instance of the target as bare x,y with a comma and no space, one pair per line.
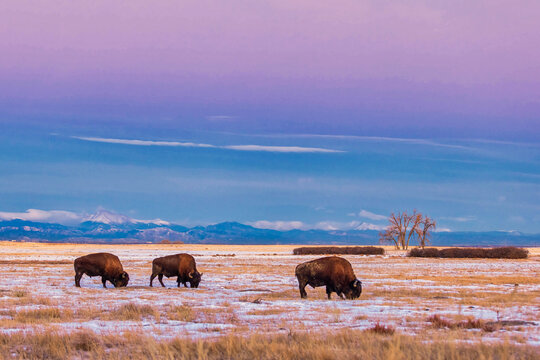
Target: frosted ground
248,289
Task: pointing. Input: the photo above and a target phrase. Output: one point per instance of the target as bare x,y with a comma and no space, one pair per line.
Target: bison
180,265
106,265
333,272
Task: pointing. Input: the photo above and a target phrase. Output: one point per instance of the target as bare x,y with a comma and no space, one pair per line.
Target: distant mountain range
107,227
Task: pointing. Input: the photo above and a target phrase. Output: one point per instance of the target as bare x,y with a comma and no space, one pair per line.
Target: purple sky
368,65
432,105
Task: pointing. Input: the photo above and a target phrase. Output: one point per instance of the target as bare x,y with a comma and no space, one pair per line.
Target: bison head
194,279
121,280
354,290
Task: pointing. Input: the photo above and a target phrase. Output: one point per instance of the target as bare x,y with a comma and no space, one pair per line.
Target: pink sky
484,55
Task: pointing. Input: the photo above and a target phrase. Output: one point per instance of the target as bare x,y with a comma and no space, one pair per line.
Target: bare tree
398,230
388,236
424,232
415,219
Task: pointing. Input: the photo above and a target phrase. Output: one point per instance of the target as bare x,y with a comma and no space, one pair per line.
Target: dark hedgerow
508,252
347,250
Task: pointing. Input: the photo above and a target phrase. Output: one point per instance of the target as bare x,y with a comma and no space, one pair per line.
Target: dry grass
44,315
35,262
265,312
470,323
382,329
344,344
181,313
248,292
19,293
133,312
465,279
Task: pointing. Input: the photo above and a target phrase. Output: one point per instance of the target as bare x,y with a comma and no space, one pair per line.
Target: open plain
249,293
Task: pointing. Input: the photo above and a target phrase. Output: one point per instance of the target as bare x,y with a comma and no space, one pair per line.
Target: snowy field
248,289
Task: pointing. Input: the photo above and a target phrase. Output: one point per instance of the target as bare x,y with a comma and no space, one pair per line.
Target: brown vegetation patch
132,311
508,252
181,313
470,323
44,315
346,344
382,329
340,250
273,311
18,293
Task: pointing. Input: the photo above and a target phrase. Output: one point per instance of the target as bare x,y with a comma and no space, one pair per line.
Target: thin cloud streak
266,148
414,141
285,149
372,216
142,142
36,215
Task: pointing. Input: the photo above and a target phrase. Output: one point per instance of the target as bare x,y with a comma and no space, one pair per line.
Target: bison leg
160,278
152,278
329,292
103,280
302,287
78,277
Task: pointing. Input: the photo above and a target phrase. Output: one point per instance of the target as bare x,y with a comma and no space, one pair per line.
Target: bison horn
190,275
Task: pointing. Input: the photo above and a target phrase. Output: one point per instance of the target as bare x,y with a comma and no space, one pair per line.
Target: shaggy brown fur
333,272
181,265
106,265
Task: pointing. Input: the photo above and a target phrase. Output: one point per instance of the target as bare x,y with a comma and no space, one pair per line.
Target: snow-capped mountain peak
367,226
108,217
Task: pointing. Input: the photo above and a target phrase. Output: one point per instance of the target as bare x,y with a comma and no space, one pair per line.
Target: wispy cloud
278,225
459,218
220,117
143,142
414,141
502,142
442,230
284,149
372,216
321,225
69,217
266,148
51,216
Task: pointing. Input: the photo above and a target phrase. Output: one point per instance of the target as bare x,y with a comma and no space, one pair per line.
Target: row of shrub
508,252
346,250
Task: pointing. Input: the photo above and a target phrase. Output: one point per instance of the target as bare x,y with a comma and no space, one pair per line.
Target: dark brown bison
181,265
333,272
106,265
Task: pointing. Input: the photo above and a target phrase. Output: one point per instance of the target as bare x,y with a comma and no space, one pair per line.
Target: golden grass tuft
43,315
349,344
382,329
273,311
181,313
18,293
134,312
470,323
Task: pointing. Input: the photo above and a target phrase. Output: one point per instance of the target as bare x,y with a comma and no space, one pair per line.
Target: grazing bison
181,265
333,272
106,265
